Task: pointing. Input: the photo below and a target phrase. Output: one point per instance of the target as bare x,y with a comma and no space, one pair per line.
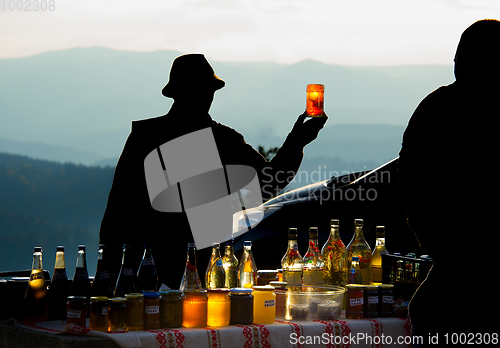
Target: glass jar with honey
241,306
170,309
135,311
194,309
151,310
264,304
99,319
117,314
218,307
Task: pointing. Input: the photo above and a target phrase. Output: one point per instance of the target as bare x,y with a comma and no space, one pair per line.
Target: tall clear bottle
102,285
312,272
292,262
59,289
81,281
247,272
358,247
335,256
215,275
126,282
230,264
147,274
35,297
190,280
377,255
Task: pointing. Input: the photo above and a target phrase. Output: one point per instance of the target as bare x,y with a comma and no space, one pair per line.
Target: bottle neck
292,244
37,261
191,257
60,261
335,232
358,234
380,242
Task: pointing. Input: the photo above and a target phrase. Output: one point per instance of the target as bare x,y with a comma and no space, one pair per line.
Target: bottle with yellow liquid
358,247
334,253
247,272
313,262
377,255
214,275
292,262
35,298
230,264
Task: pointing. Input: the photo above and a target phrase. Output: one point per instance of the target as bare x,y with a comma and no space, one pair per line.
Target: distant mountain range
77,105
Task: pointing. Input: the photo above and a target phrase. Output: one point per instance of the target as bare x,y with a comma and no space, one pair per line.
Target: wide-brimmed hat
191,71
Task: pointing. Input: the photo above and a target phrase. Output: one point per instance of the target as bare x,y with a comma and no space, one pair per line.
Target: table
376,332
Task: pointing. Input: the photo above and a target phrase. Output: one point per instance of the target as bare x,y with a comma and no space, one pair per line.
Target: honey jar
99,319
218,307
264,304
194,309
135,311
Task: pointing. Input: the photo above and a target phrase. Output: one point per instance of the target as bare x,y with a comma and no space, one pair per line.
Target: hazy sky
349,32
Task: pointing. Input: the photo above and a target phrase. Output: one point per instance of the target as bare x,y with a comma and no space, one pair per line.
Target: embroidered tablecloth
377,332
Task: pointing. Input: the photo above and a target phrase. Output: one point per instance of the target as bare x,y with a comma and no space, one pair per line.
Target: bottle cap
334,221
150,294
37,249
241,290
81,247
355,258
358,221
247,243
60,248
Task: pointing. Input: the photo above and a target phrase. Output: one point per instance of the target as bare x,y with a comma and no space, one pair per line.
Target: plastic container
314,303
76,311
218,307
135,312
170,309
194,309
264,304
241,306
117,314
151,310
99,318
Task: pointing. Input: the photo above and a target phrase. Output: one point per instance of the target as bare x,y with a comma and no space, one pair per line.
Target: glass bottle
147,274
59,289
292,262
359,247
81,281
230,264
355,276
102,281
247,273
312,272
334,252
125,284
214,275
190,280
377,255
35,297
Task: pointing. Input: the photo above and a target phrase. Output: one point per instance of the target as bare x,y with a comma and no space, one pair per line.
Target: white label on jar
74,314
152,309
356,302
269,303
373,300
104,310
387,299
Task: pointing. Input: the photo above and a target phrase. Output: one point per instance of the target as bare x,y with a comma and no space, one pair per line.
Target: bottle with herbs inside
190,280
126,283
81,281
358,247
147,274
312,272
214,275
247,272
230,264
292,262
335,256
35,297
59,287
102,285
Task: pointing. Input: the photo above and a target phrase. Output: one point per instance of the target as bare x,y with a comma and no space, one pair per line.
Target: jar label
353,302
152,309
128,272
269,303
148,262
104,310
74,314
373,300
103,275
60,275
387,299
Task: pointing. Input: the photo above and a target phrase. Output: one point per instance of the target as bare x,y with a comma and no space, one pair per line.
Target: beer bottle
102,281
81,281
358,247
125,284
334,253
230,264
214,276
312,273
292,262
35,297
247,272
59,288
147,275
190,280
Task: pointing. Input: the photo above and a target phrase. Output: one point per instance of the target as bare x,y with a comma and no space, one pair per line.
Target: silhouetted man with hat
129,217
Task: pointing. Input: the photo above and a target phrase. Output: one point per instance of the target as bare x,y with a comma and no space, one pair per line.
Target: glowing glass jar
315,98
99,320
151,310
194,309
135,311
218,307
264,304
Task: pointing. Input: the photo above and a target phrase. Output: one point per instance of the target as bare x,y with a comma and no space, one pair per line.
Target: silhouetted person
447,177
129,217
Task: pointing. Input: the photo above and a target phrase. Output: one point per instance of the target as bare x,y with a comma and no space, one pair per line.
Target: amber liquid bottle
313,261
377,255
215,275
147,274
292,262
36,297
230,264
102,285
126,282
358,247
59,288
247,272
334,252
81,281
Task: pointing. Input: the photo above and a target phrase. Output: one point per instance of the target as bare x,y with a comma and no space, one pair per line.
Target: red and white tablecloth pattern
377,332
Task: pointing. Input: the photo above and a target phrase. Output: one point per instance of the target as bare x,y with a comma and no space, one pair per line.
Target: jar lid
386,286
196,293
268,271
263,287
170,292
77,299
218,290
99,298
118,299
355,286
241,290
134,295
150,294
278,285
371,287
